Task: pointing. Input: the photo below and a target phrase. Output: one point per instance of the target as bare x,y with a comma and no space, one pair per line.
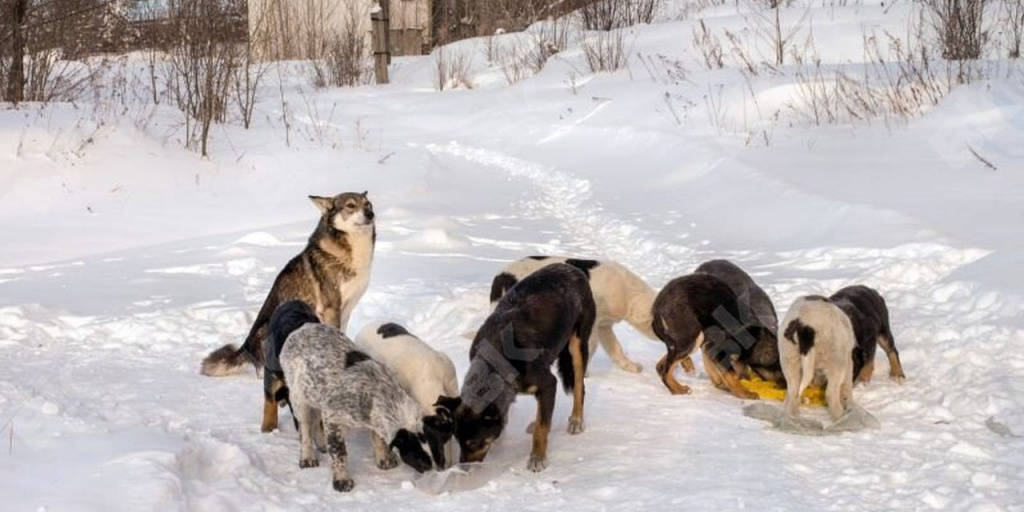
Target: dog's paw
266,429
389,462
344,485
575,426
537,463
309,463
746,394
631,367
898,378
680,390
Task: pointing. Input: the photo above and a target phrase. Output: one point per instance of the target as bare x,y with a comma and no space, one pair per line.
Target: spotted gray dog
330,379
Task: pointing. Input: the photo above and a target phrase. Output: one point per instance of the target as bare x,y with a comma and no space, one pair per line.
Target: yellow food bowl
769,391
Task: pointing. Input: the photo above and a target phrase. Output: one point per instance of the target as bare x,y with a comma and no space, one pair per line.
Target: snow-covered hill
125,259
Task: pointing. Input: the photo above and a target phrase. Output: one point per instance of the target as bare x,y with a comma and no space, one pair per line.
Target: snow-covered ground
125,259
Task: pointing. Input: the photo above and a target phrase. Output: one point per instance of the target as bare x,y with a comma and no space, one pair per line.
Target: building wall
300,29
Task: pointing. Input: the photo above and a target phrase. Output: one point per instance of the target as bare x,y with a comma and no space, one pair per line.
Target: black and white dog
329,379
546,317
817,336
870,318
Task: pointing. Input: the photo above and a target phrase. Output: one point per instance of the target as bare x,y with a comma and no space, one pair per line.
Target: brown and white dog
330,274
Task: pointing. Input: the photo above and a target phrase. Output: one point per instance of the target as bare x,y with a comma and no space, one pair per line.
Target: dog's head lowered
475,430
425,450
346,212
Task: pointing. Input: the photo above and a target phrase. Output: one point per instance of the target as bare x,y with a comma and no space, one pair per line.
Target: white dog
618,293
425,373
817,336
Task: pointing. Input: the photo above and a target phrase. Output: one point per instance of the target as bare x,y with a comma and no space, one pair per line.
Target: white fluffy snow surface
125,259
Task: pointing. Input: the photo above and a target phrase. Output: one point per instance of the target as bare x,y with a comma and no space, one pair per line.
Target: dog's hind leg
579,364
545,395
382,453
866,372
726,380
339,455
306,416
834,395
269,413
687,365
895,367
612,347
319,436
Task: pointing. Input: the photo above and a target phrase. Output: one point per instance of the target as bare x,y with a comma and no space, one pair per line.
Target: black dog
870,318
547,316
700,308
756,309
286,319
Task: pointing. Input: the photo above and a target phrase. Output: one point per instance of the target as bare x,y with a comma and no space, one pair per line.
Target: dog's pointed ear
322,203
451,404
365,192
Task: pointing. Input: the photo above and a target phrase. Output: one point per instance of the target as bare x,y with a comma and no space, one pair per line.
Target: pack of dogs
545,312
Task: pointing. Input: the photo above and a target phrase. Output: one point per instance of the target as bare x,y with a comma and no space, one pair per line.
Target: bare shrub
343,61
1013,26
605,50
709,46
768,26
959,25
613,14
42,42
453,20
740,54
201,67
451,69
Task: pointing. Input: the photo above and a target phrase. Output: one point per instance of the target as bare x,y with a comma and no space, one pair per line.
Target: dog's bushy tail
229,360
225,361
566,370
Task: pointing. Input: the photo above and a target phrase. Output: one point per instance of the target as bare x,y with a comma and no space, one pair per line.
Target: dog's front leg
306,415
386,459
339,455
319,437
545,395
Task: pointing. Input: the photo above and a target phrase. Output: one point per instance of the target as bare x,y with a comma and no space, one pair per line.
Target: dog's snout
368,213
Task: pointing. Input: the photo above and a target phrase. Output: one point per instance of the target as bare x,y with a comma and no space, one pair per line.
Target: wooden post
381,25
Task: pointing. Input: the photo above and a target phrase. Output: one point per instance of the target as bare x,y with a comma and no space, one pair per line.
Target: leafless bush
41,42
709,46
613,14
343,61
739,52
768,27
514,64
1013,26
201,67
959,25
451,69
605,50
459,19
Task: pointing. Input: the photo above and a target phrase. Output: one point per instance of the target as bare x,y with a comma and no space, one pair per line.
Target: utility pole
380,19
